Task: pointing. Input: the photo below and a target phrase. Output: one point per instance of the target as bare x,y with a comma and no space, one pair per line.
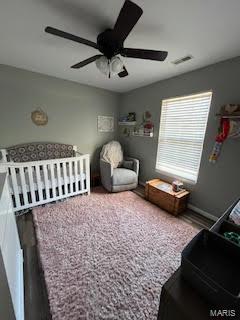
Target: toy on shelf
126,132
230,110
130,117
147,123
127,120
146,127
229,128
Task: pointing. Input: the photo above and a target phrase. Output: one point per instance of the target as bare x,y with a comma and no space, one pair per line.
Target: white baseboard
202,212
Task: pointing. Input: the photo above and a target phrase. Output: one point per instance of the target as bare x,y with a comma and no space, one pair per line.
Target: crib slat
46,181
76,175
81,174
39,183
42,176
65,178
87,166
23,185
71,176
15,186
31,183
53,182
59,179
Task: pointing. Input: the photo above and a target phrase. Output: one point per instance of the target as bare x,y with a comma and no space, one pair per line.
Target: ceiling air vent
182,60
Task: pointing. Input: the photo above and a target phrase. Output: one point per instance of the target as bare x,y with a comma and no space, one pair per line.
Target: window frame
170,174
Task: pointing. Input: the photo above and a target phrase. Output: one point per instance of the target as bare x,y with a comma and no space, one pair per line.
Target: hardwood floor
36,301
198,220
189,216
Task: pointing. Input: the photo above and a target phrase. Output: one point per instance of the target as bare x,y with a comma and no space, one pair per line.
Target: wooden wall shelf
135,134
127,123
228,116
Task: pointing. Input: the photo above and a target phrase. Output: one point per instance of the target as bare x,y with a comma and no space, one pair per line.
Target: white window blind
181,135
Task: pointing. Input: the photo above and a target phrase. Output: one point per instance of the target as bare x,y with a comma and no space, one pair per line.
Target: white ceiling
206,29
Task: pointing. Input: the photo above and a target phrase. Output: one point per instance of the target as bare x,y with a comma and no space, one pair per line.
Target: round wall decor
39,117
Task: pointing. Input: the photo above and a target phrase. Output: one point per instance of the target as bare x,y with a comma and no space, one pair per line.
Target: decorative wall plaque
39,117
105,124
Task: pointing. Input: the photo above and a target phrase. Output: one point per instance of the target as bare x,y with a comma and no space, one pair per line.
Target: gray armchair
122,178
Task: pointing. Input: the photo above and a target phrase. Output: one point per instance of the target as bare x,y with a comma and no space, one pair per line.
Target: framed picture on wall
105,124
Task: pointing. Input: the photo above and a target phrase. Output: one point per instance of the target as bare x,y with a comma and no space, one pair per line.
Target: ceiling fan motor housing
109,44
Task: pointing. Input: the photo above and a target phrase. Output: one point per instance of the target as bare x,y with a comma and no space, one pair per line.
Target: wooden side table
161,193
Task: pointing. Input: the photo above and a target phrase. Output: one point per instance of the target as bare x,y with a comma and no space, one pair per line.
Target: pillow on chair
127,164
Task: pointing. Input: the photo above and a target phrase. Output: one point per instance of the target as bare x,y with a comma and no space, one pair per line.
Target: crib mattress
51,182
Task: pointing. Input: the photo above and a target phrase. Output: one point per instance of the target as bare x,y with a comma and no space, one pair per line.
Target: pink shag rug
106,256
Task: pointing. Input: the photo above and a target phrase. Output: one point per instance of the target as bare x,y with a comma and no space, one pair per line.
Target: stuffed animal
230,109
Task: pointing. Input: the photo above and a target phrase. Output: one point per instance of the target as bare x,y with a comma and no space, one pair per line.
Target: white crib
33,183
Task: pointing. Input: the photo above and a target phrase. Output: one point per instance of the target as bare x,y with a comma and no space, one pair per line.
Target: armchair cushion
122,176
117,174
135,164
127,164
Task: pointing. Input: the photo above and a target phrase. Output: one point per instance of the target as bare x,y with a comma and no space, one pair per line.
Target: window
181,134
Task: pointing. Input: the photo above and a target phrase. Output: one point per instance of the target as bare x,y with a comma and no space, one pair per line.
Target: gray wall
72,110
218,185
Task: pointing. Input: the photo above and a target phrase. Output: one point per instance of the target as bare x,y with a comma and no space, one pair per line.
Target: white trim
20,307
202,212
11,255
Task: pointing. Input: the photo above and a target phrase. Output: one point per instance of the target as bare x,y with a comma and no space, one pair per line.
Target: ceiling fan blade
144,54
85,62
128,17
123,73
69,36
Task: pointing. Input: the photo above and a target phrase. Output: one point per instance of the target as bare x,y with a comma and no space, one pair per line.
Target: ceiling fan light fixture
109,67
116,65
102,64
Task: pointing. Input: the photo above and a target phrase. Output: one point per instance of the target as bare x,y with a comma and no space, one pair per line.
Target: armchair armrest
106,171
135,164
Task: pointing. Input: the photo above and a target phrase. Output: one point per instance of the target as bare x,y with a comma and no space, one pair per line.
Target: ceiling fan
110,43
